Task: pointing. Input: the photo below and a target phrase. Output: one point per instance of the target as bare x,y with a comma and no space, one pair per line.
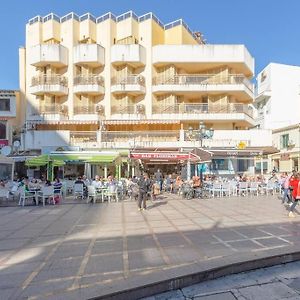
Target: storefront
6,168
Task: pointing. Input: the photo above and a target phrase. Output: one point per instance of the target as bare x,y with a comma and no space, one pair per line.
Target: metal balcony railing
82,110
194,108
83,137
130,79
140,136
53,79
203,79
125,109
51,109
89,80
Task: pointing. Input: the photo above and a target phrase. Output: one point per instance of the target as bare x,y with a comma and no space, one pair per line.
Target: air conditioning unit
100,109
140,109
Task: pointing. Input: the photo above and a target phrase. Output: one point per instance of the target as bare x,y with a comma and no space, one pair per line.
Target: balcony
89,84
131,84
236,84
134,55
42,55
89,54
201,111
53,112
176,138
84,139
49,84
131,112
192,57
132,139
88,112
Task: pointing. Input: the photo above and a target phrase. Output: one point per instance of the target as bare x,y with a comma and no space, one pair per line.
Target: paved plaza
81,251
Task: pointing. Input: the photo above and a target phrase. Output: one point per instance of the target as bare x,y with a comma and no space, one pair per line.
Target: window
284,141
4,105
2,130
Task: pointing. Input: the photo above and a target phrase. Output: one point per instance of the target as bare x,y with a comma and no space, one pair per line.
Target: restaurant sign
160,155
3,143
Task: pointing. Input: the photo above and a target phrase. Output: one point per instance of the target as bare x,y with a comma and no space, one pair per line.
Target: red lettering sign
169,156
3,143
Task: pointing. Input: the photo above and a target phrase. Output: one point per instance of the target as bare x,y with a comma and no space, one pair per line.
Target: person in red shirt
295,186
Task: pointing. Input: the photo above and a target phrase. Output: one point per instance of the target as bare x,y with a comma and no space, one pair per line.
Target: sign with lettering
162,155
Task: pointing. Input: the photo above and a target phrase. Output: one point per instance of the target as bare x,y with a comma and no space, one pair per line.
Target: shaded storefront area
183,162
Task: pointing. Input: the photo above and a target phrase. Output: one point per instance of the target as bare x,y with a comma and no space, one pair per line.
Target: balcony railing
140,136
51,109
88,109
53,79
128,109
203,79
130,80
89,80
193,108
83,137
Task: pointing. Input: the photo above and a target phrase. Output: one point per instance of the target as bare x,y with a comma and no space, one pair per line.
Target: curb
194,274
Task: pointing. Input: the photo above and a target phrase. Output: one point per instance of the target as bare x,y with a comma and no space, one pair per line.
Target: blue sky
269,28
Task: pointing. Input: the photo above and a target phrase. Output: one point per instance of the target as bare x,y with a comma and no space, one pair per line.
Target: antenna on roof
199,37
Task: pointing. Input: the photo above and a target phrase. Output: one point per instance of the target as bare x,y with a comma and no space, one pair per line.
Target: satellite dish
6,150
17,144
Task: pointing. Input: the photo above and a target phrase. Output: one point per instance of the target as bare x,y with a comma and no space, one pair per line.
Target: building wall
278,97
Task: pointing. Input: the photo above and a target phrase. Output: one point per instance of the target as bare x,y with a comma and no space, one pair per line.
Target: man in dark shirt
159,178
144,187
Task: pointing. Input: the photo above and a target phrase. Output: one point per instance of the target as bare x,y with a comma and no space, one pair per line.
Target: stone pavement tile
146,258
221,296
60,263
251,232
108,246
41,288
173,239
18,268
138,232
272,229
228,235
105,263
6,293
5,253
165,229
272,242
275,290
72,250
246,245
212,250
140,242
54,274
12,243
182,254
295,284
200,237
12,280
171,295
163,223
94,279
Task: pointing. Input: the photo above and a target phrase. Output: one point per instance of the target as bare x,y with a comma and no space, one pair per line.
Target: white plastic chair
92,194
78,190
243,188
111,193
253,188
226,189
216,189
24,195
47,192
270,188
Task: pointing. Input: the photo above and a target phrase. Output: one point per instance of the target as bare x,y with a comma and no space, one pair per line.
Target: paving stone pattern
75,250
279,282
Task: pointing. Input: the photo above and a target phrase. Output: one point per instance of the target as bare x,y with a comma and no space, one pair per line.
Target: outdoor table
101,190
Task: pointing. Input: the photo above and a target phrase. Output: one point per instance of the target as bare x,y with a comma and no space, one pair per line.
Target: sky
269,28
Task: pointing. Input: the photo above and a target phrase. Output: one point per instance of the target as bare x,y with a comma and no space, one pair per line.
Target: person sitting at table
86,180
96,182
80,181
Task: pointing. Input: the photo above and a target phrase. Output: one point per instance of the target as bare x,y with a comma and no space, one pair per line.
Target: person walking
295,186
144,187
285,184
159,178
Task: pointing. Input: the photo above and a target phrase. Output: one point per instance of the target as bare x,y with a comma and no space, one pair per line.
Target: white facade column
188,169
105,171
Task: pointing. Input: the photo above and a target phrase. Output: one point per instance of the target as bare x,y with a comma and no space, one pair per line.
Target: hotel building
131,82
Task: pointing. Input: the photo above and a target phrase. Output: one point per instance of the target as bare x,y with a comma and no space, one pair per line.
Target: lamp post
200,134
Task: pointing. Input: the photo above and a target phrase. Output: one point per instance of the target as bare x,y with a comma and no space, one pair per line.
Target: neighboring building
286,139
8,116
278,96
131,82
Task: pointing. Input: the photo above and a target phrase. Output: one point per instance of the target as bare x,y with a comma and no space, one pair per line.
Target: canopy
43,160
